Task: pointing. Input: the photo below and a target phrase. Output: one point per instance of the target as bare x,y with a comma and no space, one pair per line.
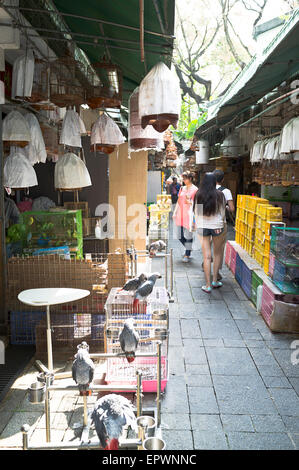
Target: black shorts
210,232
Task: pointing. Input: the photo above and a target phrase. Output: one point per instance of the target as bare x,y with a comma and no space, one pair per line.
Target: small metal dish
159,315
37,392
153,443
148,424
161,334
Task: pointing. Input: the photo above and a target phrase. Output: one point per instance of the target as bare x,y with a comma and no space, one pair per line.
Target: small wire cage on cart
151,323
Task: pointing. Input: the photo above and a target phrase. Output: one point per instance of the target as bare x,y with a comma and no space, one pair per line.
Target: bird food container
42,377
147,424
154,443
161,334
159,314
37,392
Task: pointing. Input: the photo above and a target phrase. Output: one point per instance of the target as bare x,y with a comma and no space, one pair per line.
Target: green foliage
187,128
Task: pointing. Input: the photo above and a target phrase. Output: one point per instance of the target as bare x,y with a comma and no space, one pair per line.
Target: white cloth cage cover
159,98
271,148
257,152
18,172
2,92
141,139
22,75
71,129
105,131
71,173
36,150
15,128
290,136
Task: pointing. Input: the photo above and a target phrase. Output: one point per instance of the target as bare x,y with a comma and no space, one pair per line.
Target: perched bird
83,368
156,247
110,414
129,339
132,284
145,289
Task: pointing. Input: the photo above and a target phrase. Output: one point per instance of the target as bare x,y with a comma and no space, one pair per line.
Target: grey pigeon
157,246
83,368
145,289
132,284
110,414
129,339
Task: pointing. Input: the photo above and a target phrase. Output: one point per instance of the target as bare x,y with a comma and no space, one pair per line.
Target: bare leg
206,251
218,252
223,235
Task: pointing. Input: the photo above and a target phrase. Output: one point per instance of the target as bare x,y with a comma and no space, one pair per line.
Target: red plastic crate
271,293
228,251
233,260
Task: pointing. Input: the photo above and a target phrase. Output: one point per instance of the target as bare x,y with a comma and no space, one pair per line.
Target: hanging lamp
139,138
105,135
71,173
15,130
159,98
18,173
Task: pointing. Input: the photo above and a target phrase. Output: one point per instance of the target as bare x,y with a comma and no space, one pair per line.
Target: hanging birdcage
15,130
51,139
18,173
65,86
159,98
105,135
141,139
71,173
104,87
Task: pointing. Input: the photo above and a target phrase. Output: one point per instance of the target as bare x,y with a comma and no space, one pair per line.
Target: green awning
278,62
123,44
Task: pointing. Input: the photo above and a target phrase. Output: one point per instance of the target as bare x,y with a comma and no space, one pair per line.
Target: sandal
217,284
206,289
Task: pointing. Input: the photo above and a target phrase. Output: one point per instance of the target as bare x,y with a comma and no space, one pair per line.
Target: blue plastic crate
22,326
246,279
238,273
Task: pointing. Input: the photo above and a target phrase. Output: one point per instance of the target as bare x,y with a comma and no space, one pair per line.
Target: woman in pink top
183,213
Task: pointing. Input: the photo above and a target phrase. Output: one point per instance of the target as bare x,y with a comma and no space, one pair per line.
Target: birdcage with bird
104,85
66,77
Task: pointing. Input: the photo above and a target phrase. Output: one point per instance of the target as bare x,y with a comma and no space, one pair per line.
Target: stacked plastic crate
246,220
267,215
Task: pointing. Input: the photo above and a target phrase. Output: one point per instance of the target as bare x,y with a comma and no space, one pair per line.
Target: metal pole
47,409
25,429
3,274
85,415
49,341
166,270
109,355
171,275
135,261
159,384
94,388
139,393
132,260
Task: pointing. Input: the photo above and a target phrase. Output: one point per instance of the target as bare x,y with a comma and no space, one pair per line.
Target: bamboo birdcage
65,86
105,87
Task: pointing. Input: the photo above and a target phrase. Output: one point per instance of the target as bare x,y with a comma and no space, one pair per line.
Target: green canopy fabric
123,46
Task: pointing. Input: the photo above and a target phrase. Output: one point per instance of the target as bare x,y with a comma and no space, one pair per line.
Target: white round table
47,297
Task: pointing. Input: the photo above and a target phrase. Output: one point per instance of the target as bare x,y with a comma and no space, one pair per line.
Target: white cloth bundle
36,150
18,172
22,75
159,92
71,173
256,154
71,130
290,136
106,131
271,148
15,128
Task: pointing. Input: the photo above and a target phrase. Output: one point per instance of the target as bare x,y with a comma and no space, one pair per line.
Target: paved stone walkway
232,384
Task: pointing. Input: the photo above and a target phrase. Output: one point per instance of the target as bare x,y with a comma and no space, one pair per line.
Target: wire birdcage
65,86
105,86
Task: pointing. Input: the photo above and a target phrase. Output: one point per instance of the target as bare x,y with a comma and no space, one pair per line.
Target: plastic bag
71,173
106,131
159,95
22,75
141,139
15,128
36,150
18,172
71,130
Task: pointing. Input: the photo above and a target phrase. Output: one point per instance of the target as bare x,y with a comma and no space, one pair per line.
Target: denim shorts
210,232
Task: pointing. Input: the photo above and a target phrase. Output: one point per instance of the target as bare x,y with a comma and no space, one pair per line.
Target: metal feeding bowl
159,315
42,377
37,392
148,423
112,333
161,334
153,443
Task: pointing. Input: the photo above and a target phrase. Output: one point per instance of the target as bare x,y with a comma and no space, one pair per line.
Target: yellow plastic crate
259,257
251,219
274,213
266,264
253,201
237,237
263,209
241,200
238,224
267,247
260,208
259,235
250,233
242,215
